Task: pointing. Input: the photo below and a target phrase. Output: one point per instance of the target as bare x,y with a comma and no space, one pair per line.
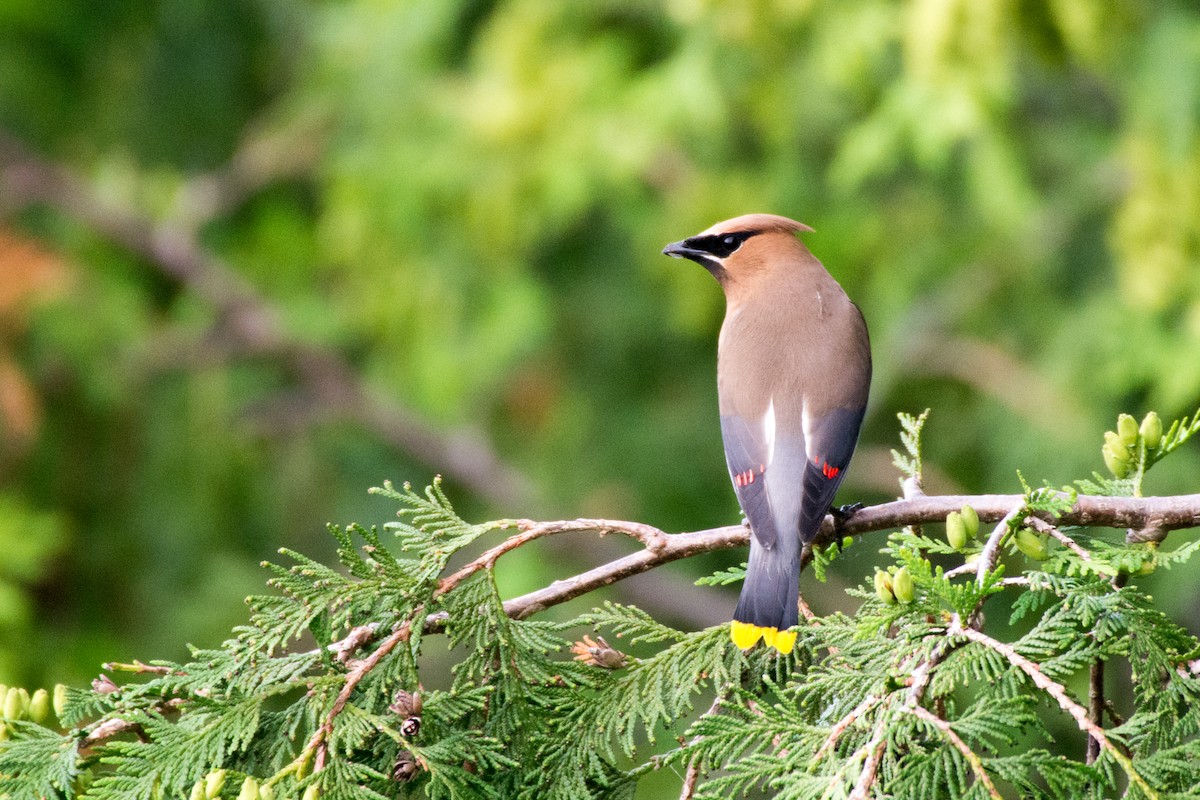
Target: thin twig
1095,706
1065,702
139,667
923,673
967,753
991,549
874,754
352,642
1096,700
835,733
1167,513
691,777
107,729
651,537
1041,526
911,488
675,547
319,742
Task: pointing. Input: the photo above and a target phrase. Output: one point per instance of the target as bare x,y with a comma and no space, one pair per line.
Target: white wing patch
769,430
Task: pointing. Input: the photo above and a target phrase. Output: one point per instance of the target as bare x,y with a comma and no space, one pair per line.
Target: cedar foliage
903,699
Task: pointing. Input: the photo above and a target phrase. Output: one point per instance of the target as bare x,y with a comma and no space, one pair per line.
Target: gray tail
771,593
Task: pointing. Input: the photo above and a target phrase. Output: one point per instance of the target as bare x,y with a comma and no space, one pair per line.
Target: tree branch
1065,701
691,776
319,741
1041,526
254,327
874,754
653,539
1095,706
1167,513
835,733
972,758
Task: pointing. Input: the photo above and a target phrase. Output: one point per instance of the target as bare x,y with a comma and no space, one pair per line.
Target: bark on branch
1165,513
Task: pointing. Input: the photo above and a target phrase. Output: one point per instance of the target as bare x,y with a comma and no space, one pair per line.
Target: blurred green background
257,256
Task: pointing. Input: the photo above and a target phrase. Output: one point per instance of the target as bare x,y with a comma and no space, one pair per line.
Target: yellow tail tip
745,636
785,641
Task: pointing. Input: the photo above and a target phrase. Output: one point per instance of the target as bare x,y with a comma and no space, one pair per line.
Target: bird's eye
730,241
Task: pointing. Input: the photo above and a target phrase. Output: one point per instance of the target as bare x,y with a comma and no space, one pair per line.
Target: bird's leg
841,514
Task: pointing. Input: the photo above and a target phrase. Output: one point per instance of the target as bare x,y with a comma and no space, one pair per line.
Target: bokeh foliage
467,199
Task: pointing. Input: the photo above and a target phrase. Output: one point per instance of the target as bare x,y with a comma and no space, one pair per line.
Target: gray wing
830,443
747,454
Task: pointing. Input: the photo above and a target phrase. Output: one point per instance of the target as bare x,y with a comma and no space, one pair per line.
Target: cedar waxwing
793,372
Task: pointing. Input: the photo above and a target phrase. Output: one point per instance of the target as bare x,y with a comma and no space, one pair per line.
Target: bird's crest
758,223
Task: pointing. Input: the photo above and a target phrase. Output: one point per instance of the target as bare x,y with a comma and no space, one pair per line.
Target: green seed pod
197,792
39,706
1116,465
883,587
1117,446
1032,544
312,793
970,520
249,789
3,732
1127,428
902,585
1152,431
213,783
60,699
13,707
956,530
265,792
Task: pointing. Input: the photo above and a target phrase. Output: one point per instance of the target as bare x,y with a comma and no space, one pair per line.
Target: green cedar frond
724,577
822,557
910,437
1062,776
592,730
429,526
346,779
1107,486
86,704
631,623
517,717
37,763
1050,500
1180,431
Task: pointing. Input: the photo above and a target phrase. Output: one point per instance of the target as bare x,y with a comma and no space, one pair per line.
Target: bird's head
737,249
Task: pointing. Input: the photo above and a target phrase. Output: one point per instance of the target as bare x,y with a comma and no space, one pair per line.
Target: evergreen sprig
323,692
910,437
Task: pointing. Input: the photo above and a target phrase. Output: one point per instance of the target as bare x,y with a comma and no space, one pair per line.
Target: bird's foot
842,514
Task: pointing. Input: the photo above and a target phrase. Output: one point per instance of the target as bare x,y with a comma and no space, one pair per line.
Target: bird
793,376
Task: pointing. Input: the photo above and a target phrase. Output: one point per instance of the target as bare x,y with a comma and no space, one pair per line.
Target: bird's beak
681,250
